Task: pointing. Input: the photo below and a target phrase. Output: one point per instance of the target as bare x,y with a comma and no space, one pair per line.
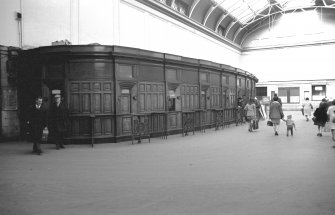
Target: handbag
28,136
45,134
269,123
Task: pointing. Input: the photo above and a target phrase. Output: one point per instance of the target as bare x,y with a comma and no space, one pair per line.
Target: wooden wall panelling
92,97
94,85
189,96
151,97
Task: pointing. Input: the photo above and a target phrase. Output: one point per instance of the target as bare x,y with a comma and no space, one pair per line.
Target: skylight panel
285,4
243,10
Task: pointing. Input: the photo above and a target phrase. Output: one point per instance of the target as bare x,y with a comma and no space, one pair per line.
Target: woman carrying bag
276,114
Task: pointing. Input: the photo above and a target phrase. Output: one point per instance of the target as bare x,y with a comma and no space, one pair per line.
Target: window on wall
204,77
289,94
172,75
318,92
261,91
172,100
225,80
239,82
248,84
126,71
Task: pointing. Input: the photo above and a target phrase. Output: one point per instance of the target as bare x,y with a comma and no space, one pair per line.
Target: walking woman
331,114
307,107
321,117
250,109
276,114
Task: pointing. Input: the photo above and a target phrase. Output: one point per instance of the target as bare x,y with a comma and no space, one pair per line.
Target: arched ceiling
231,20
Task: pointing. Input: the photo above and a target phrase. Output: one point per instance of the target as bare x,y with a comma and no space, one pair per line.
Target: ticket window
125,101
172,100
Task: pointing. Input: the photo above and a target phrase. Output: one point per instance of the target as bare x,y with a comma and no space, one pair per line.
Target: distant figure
289,125
320,116
58,118
258,109
37,121
307,107
276,113
278,99
331,114
239,115
250,109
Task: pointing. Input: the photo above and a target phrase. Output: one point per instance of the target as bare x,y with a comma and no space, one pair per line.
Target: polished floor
225,172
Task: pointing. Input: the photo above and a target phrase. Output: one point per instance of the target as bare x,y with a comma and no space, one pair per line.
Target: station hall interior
283,46
158,70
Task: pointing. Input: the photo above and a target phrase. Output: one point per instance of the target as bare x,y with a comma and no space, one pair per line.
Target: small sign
172,94
54,92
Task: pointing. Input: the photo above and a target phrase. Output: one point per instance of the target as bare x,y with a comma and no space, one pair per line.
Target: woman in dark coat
321,117
276,114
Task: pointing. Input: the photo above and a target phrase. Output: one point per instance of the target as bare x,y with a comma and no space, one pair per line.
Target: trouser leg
59,140
37,146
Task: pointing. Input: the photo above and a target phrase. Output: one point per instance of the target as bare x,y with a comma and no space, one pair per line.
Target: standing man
37,121
278,99
58,118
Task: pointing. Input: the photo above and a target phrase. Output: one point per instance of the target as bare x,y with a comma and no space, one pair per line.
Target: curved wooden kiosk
117,93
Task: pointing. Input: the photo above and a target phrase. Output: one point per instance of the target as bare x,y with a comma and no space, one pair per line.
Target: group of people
56,118
324,114
248,110
276,114
40,117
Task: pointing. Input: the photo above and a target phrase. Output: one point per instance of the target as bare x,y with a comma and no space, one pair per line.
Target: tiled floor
225,172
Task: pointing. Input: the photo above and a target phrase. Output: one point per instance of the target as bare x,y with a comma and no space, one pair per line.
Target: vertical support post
92,118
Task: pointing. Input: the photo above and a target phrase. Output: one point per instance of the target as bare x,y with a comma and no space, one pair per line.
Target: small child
239,115
289,124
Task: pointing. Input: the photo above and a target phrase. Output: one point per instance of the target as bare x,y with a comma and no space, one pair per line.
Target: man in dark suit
37,121
58,118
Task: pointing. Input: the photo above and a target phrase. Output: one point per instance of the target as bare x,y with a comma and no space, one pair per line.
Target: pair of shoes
39,152
276,133
63,147
319,135
57,147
